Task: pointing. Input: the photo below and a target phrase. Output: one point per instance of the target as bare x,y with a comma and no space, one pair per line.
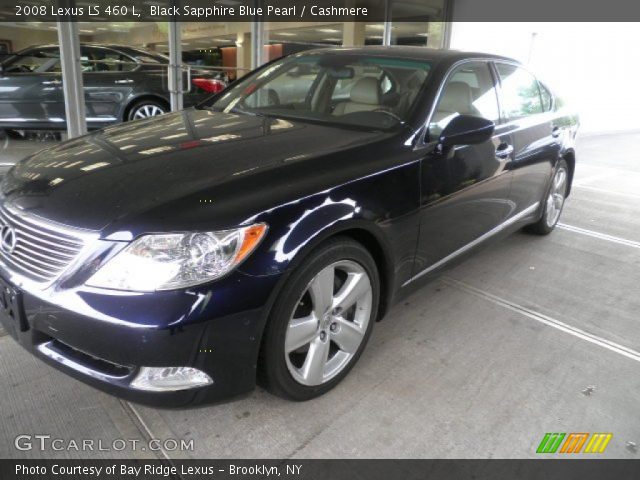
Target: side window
288,88
469,91
103,60
144,58
520,92
35,61
545,96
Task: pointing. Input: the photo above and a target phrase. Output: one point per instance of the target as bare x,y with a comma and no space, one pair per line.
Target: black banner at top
318,10
195,10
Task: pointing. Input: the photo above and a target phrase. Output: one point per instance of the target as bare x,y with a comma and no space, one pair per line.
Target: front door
465,189
31,89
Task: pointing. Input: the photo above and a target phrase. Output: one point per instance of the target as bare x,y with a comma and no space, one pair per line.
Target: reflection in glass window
469,91
367,91
520,93
546,97
35,61
104,60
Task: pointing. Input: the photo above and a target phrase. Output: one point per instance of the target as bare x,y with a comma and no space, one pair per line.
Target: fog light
165,379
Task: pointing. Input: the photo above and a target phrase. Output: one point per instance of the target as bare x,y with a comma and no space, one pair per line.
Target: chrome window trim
495,230
425,127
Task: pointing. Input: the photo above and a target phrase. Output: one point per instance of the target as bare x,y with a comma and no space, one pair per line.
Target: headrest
366,90
457,98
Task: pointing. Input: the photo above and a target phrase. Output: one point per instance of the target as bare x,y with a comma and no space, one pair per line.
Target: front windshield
346,89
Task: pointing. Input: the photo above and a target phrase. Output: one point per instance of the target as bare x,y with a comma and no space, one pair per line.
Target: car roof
114,46
409,52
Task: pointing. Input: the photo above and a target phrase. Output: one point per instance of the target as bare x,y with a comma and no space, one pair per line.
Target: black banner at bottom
551,469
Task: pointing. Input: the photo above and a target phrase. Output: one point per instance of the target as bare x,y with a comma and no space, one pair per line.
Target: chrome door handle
52,82
127,80
555,132
504,150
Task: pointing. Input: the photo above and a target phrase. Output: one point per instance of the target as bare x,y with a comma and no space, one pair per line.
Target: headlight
177,260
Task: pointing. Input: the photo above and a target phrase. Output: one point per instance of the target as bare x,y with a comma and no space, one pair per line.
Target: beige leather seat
364,97
457,98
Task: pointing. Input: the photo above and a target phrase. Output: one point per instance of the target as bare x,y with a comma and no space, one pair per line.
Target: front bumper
103,337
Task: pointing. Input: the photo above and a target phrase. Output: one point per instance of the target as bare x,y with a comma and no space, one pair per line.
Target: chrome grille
40,250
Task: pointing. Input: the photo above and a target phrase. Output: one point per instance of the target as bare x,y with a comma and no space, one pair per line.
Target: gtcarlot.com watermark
49,443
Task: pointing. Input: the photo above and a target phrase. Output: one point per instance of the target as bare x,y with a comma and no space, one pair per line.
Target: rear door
109,79
529,119
31,89
465,190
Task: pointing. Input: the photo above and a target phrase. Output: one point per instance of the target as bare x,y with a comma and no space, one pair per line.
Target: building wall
25,37
589,64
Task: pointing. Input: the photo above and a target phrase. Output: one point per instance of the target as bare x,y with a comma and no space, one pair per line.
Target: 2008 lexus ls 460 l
260,235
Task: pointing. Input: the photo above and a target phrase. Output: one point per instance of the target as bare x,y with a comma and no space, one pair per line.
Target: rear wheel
321,323
146,108
554,201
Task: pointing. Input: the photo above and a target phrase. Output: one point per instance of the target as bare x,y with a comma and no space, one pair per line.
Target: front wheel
321,323
554,201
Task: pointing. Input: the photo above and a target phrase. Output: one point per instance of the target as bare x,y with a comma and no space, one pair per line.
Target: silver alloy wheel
146,111
329,323
556,197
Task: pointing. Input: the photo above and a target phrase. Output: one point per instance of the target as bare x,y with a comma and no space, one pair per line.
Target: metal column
257,32
386,34
72,78
175,65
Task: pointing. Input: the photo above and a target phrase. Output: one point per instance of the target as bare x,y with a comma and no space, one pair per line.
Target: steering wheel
390,113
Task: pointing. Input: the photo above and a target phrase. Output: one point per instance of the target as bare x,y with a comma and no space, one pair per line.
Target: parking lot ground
528,336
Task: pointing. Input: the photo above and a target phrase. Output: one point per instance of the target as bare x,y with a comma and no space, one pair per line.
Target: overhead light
93,166
102,29
377,26
86,31
422,34
286,34
328,30
332,39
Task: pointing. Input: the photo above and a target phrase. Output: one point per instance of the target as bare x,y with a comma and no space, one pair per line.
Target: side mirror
466,130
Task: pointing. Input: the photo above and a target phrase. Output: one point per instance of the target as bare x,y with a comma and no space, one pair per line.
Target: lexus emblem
7,239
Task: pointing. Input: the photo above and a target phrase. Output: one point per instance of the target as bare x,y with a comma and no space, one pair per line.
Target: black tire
543,226
274,373
152,106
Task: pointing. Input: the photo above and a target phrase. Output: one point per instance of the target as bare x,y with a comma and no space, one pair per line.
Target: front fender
380,210
310,223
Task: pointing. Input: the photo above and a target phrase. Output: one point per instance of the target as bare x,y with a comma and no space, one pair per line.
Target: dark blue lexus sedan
259,236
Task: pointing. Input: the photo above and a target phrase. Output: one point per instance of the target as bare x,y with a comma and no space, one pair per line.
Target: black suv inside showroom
289,241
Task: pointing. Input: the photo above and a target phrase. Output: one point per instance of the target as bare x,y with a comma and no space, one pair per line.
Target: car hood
193,158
